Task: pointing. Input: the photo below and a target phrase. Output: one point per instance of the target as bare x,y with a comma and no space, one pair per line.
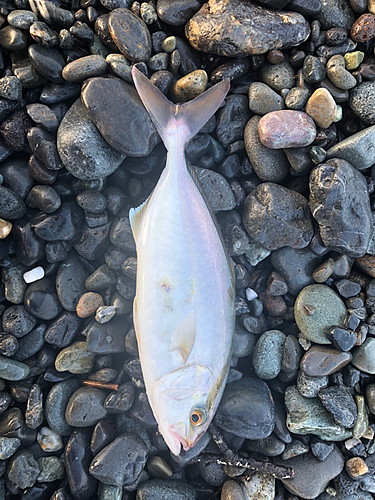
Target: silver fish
184,306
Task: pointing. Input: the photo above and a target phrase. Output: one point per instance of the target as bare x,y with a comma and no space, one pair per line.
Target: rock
85,407
159,489
322,361
11,369
322,108
364,356
357,149
17,321
75,359
47,61
277,76
70,282
247,409
84,67
316,310
177,13
106,338
260,486
8,447
313,69
123,122
268,353
340,403
121,462
11,204
342,339
64,224
362,102
269,164
346,228
55,406
41,299
31,343
286,129
34,415
88,304
234,29
275,216
10,87
231,119
311,476
43,145
296,98
338,75
335,13
23,469
308,416
61,332
130,35
190,86
82,148
51,469
217,190
263,100
363,28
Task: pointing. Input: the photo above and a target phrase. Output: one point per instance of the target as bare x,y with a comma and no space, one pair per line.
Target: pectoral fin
183,338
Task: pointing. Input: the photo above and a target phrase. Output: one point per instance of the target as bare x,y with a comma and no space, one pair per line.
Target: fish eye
198,417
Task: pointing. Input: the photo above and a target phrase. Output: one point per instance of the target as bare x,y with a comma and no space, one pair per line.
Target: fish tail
184,120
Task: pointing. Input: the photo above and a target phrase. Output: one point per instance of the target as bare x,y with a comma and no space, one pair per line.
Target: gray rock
121,235
17,321
268,354
260,486
34,415
121,462
316,310
340,403
51,469
11,204
278,76
271,446
10,86
275,217
263,100
13,370
311,476
308,416
23,469
160,489
364,356
231,119
236,29
82,148
297,98
55,405
336,13
217,189
85,407
357,149
75,359
269,164
362,102
295,266
177,13
345,227
70,282
8,447
309,387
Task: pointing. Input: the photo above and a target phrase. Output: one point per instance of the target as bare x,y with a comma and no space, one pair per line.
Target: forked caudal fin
184,120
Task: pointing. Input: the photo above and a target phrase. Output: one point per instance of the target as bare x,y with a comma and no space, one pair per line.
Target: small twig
101,385
233,459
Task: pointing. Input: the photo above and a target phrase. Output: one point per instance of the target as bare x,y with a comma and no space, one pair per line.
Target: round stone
316,310
268,354
364,356
286,129
362,102
88,304
190,86
322,361
263,100
322,108
75,359
85,407
363,28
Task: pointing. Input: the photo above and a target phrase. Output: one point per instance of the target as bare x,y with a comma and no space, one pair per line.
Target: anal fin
136,217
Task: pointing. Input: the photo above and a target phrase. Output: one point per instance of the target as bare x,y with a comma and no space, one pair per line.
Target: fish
183,310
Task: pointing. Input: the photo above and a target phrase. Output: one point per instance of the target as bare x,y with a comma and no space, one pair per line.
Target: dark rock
232,119
340,403
62,331
54,14
305,7
121,400
11,205
45,198
84,152
362,102
43,34
347,227
235,29
107,338
342,338
40,173
275,216
93,241
64,224
17,321
29,248
14,130
8,344
123,122
31,343
43,145
56,403
12,39
42,115
70,282
320,449
336,13
84,67
177,13
160,489
121,234
41,299
85,407
103,434
53,93
130,35
247,409
12,425
47,61
141,411
23,469
320,361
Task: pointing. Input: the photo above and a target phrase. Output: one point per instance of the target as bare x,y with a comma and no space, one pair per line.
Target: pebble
23,469
42,115
130,35
322,107
55,406
75,359
123,122
353,59
232,119
308,416
316,309
48,61
296,98
8,447
34,275
217,189
17,321
362,102
270,165
364,356
43,145
348,228
11,204
265,218
321,361
362,423
224,29
105,338
51,469
320,449
268,354
63,329
245,418
190,86
121,462
70,282
363,28
11,87
356,467
49,440
85,407
263,100
21,19
342,339
88,304
338,74
121,400
286,129
357,149
313,70
157,489
85,67
311,476
340,403
12,39
41,299
335,13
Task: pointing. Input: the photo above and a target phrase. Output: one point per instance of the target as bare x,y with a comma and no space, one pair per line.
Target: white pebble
104,314
34,274
251,294
49,440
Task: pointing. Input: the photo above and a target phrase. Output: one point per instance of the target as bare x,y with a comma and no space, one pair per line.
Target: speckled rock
263,100
190,86
362,102
286,129
357,149
232,28
322,107
316,310
75,359
268,354
336,13
347,227
159,489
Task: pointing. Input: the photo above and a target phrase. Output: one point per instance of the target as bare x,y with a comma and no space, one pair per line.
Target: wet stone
338,75
362,102
43,145
14,130
313,70
265,217
296,98
11,205
84,67
224,29
321,361
75,359
61,331
308,416
190,86
21,19
85,407
278,76
23,469
51,469
322,108
336,14
286,129
93,241
121,400
364,356
238,413
70,282
340,403
41,299
84,152
8,344
217,190
8,447
363,28
42,115
31,343
11,88
357,149
309,387
316,309
34,415
55,406
291,355
17,321
263,100
341,338
12,39
231,119
88,304
121,462
267,355
47,61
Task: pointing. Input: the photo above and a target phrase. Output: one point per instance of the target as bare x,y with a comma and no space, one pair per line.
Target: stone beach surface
288,166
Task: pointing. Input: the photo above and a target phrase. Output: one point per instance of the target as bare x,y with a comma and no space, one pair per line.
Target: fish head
184,402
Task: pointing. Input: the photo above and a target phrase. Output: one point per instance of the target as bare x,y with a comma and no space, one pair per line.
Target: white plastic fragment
250,294
34,274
